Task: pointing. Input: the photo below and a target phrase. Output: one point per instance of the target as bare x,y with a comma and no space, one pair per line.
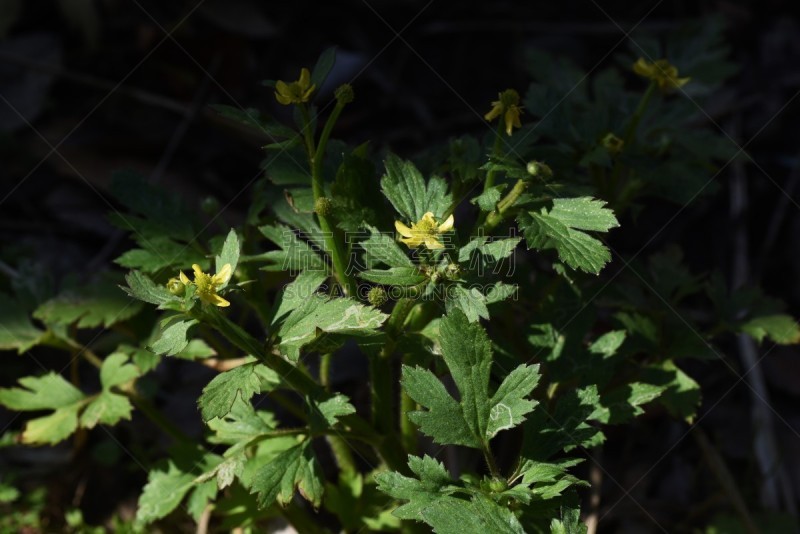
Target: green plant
437,312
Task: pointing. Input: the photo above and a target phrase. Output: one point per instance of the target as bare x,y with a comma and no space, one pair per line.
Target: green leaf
608,344
141,287
160,252
444,420
469,300
295,255
325,414
562,229
781,329
380,247
405,188
240,425
487,201
49,391
53,428
98,304
162,214
294,467
509,405
252,117
229,254
319,320
681,396
116,371
566,427
430,500
240,382
197,349
17,332
477,417
395,276
163,493
624,402
107,408
323,67
174,338
300,290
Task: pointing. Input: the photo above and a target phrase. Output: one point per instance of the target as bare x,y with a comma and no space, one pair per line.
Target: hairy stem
300,382
630,132
503,207
333,238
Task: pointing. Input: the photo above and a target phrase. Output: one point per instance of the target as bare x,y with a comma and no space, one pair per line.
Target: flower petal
305,78
184,279
402,229
412,241
216,300
223,275
197,270
447,225
432,243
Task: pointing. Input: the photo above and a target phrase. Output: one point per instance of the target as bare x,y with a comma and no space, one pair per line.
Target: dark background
90,88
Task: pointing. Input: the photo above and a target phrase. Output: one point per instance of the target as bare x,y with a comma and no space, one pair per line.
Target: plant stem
300,382
630,132
331,235
381,375
408,431
487,454
497,151
325,370
503,207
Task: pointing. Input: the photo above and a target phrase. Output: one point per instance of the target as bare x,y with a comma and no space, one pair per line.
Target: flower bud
344,94
537,168
210,205
175,286
377,296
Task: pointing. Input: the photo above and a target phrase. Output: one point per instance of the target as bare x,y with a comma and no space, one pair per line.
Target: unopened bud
344,94
210,206
175,286
537,168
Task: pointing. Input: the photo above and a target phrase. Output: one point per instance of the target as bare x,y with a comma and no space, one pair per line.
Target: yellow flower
507,105
295,92
661,72
207,284
424,231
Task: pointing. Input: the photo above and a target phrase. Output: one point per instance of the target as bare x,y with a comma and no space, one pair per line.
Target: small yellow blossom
661,71
207,284
295,92
507,105
424,231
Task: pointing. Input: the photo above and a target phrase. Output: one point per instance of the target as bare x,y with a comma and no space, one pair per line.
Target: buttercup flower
207,284
424,231
507,105
661,72
295,92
